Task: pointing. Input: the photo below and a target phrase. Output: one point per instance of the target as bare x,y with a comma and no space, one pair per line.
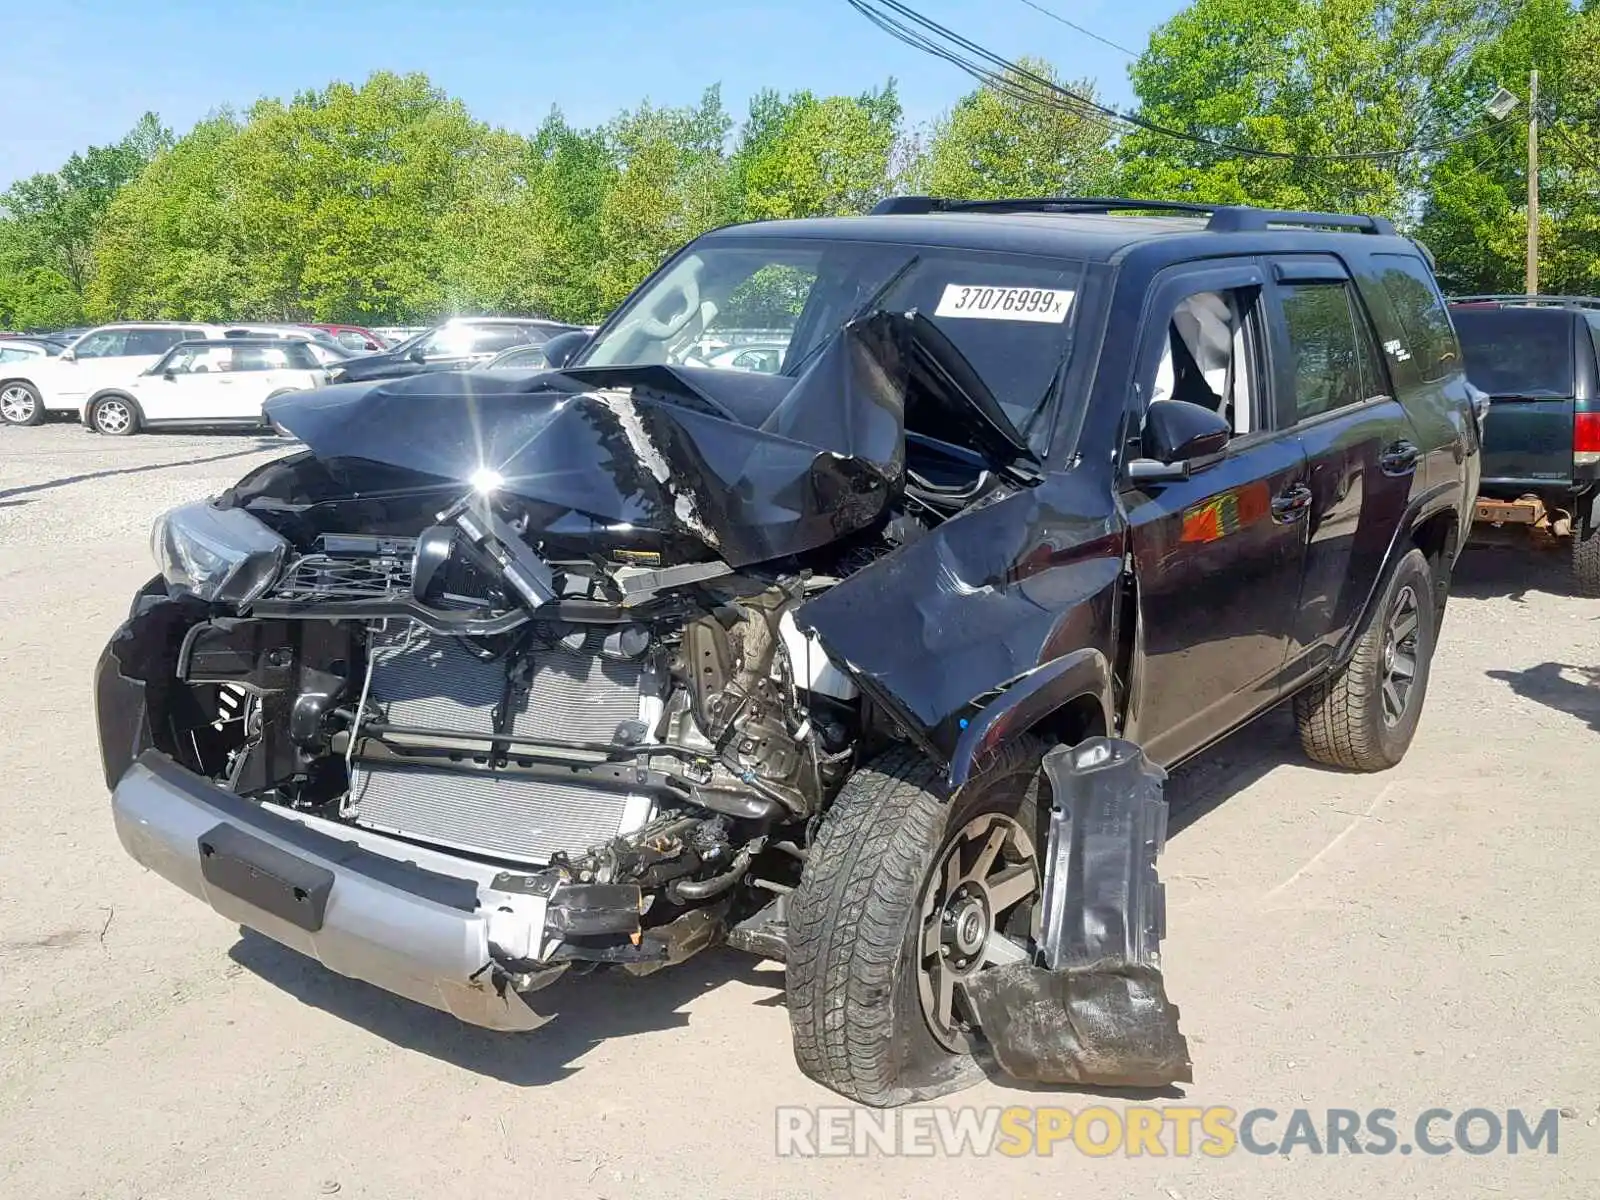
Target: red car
353,337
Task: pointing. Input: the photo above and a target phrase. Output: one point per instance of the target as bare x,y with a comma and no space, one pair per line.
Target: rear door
1361,448
1526,359
1217,557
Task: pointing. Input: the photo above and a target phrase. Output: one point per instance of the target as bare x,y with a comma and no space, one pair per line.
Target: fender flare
1429,504
1027,700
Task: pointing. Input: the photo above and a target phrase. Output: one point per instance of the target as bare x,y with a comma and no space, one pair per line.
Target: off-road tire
855,921
1586,565
1340,717
34,417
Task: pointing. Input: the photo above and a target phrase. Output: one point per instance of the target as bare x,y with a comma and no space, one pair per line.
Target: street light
1501,103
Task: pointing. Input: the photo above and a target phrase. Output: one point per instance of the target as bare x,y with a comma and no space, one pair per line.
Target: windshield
1517,351
1009,316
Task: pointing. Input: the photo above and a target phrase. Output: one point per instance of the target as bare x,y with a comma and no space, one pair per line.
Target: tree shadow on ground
67,480
1550,685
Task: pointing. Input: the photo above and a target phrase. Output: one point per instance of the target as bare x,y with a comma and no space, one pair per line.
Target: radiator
572,695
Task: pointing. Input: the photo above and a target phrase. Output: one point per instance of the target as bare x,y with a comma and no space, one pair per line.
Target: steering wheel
690,294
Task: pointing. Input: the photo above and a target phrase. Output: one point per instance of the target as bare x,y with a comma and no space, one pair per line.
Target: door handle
1399,458
1288,504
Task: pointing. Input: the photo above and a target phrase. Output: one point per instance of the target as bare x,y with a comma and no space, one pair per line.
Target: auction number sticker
1047,305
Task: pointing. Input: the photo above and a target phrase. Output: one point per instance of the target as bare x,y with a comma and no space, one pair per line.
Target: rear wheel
1586,564
20,403
906,895
1363,717
116,416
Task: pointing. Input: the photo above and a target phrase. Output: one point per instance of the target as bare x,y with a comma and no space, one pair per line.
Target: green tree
1474,210
170,244
341,195
55,217
1015,142
805,156
1319,80
672,184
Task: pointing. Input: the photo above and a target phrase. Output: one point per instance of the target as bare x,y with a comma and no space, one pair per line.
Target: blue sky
82,71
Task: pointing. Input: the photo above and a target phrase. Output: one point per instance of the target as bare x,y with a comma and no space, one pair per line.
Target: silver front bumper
414,922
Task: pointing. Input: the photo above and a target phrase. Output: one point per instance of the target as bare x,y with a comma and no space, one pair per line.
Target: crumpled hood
754,467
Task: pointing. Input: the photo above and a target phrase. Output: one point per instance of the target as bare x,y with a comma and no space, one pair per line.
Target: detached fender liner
415,932
1095,1010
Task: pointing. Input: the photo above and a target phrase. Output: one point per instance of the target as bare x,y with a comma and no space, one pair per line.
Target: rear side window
350,339
1335,362
260,358
1518,351
1411,289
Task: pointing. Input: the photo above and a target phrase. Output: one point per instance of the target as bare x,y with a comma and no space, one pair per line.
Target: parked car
24,349
393,335
353,337
1539,361
97,359
463,342
603,665
211,383
765,357
518,358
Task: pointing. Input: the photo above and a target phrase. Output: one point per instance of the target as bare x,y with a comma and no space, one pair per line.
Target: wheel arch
1064,700
1432,524
107,394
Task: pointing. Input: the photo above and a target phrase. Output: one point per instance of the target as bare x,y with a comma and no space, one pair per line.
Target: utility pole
1533,183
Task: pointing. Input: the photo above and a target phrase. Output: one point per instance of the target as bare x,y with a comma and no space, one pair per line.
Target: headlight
222,555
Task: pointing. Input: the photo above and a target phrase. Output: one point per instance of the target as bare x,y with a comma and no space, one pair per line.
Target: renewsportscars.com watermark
1158,1131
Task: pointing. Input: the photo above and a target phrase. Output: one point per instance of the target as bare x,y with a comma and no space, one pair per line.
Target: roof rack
1225,218
1513,298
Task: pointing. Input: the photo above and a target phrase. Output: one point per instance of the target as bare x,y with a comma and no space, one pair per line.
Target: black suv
1538,358
520,675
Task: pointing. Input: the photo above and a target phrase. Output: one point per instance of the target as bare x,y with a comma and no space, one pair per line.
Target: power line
923,33
1572,145
1089,33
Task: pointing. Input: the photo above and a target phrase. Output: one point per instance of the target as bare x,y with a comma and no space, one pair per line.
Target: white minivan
103,357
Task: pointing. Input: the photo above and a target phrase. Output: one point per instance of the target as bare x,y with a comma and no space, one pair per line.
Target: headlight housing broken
221,555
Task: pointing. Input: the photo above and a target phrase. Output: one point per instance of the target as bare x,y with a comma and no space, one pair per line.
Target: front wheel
20,404
907,894
115,416
1363,717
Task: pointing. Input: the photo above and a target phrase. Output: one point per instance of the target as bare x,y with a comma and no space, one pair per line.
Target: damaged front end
503,679
1093,1008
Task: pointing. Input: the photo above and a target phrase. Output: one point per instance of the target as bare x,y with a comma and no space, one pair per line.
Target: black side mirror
1176,436
169,373
563,348
417,355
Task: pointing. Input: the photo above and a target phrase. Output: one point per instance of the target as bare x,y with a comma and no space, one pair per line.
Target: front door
1217,557
197,382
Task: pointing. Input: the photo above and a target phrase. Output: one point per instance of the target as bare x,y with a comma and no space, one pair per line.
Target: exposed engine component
561,742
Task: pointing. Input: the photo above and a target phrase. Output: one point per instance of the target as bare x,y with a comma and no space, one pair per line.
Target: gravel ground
1417,939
